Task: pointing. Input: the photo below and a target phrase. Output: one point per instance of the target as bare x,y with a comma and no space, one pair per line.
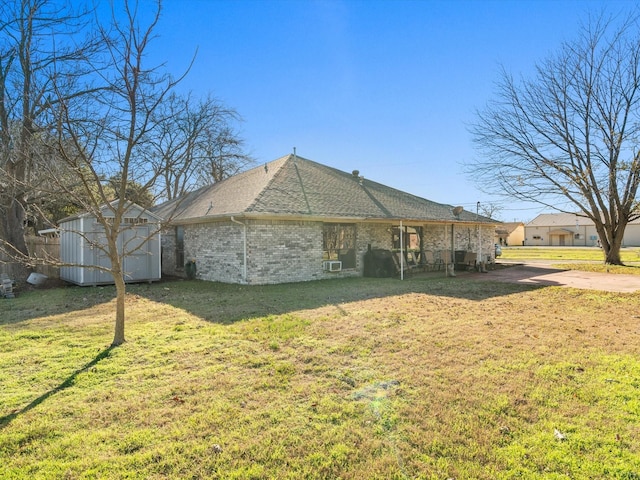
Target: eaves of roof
318,218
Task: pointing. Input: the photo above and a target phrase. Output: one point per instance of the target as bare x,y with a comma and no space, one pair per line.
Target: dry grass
428,378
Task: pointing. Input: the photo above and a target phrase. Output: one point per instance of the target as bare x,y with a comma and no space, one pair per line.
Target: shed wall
142,263
71,251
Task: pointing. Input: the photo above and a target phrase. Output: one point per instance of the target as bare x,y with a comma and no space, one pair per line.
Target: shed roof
292,186
131,209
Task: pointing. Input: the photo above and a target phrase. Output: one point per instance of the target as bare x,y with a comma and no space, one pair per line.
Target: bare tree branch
568,138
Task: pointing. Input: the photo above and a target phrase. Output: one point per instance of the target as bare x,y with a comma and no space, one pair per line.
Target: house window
412,242
537,237
339,243
179,248
411,237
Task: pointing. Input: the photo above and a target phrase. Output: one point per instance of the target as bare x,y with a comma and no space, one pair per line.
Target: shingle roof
508,227
295,186
553,219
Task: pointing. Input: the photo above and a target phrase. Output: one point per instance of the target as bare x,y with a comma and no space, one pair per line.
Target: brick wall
277,251
466,238
281,251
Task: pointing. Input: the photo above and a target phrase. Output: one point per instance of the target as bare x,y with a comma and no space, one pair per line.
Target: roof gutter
244,248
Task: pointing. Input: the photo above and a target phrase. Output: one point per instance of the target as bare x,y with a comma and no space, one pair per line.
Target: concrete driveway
545,274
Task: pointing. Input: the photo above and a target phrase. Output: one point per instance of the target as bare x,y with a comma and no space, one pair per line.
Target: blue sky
385,87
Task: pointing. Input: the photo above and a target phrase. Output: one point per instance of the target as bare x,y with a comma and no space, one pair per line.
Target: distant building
510,234
572,230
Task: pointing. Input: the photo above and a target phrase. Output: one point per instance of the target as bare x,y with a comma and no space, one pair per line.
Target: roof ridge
279,168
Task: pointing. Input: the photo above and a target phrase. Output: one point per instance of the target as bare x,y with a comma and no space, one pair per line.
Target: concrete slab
545,274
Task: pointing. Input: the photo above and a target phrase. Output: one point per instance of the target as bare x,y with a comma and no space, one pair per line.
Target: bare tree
196,145
223,157
488,209
106,133
568,138
30,62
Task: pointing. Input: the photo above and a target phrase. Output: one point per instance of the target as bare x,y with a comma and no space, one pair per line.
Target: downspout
244,248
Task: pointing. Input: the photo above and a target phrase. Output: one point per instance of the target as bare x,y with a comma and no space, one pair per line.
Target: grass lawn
576,258
429,378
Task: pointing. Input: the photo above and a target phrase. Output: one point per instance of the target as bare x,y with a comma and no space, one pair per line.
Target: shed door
136,263
100,258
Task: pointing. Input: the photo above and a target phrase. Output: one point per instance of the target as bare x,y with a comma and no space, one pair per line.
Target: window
537,237
411,236
179,248
339,243
128,220
135,220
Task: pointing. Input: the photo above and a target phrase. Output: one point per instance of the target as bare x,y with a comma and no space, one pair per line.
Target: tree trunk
12,230
612,245
14,226
612,254
12,240
118,338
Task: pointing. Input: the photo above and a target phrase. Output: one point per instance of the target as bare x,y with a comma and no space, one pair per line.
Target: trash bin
190,269
378,263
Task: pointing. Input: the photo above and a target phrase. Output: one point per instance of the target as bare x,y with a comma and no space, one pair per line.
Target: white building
572,230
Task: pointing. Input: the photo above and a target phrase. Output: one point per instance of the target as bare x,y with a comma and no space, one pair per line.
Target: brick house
294,220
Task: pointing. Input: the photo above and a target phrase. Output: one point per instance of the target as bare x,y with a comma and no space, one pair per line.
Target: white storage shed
139,241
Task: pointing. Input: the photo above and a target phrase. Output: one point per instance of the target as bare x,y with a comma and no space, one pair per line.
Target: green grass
429,378
589,259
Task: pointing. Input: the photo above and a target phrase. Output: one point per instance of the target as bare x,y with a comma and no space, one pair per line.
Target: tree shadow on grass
228,303
7,419
34,303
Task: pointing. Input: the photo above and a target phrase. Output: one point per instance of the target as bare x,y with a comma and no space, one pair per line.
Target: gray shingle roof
508,227
293,186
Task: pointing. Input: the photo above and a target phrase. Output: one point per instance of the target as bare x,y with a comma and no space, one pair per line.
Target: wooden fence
45,248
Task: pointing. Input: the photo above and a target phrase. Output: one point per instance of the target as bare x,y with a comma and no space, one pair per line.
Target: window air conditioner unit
332,265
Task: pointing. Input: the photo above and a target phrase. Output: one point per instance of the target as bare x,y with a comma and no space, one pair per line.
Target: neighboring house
296,220
570,229
510,233
139,239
